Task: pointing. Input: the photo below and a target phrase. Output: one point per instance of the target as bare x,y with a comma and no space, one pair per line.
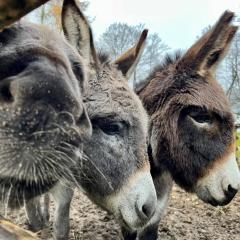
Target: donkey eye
199,117
202,118
111,128
108,125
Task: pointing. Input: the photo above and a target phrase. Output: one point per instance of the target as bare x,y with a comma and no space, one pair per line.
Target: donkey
42,117
191,132
116,174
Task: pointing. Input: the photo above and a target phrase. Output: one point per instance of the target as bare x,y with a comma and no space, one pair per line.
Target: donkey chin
135,203
219,186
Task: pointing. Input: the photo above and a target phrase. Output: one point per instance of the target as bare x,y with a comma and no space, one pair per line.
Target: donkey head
192,132
116,173
42,118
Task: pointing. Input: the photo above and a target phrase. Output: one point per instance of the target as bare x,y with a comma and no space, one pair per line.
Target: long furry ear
127,63
77,30
209,50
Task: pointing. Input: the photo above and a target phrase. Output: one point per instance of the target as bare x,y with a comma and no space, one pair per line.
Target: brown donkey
191,133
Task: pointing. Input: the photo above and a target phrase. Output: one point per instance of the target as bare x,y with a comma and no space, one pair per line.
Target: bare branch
13,10
11,231
119,37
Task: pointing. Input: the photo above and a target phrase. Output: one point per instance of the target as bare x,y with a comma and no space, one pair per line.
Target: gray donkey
42,117
192,139
116,173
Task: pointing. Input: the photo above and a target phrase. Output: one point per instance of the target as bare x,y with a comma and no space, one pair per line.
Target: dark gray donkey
116,172
42,117
191,129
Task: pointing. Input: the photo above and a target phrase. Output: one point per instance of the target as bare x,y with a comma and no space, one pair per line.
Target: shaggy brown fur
191,123
186,84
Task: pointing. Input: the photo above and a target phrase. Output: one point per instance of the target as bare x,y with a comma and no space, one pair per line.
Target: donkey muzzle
221,183
135,203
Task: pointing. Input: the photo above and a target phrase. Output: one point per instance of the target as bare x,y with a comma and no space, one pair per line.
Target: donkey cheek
219,163
145,165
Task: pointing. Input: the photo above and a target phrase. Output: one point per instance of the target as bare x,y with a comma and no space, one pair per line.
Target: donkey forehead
117,106
26,35
27,40
115,98
203,92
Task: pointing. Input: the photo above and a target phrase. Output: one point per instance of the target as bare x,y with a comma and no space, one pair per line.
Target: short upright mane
169,59
103,57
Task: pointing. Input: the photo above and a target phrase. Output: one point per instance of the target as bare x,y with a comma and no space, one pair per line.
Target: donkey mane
104,58
168,59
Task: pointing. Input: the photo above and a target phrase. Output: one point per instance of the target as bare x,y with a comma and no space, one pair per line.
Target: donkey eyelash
102,121
202,117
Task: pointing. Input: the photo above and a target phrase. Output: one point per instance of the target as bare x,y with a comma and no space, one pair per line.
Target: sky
178,22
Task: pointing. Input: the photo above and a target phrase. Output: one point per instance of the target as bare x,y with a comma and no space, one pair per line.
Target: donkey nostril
147,210
231,191
5,93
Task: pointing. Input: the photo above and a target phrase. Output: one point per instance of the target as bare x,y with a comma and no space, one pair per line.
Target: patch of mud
187,219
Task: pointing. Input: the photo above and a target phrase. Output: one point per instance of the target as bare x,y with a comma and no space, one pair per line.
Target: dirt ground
187,219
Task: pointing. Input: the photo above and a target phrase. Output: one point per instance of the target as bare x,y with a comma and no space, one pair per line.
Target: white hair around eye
201,124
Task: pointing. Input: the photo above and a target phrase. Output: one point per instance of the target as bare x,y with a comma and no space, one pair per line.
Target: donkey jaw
221,184
128,203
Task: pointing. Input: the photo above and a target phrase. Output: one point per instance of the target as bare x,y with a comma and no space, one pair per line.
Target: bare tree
119,37
154,51
229,72
232,65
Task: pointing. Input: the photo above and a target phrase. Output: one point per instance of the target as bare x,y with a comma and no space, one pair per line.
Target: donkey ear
77,30
128,61
209,50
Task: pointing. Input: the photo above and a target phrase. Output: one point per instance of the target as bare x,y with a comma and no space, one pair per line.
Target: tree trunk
13,10
134,79
43,14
